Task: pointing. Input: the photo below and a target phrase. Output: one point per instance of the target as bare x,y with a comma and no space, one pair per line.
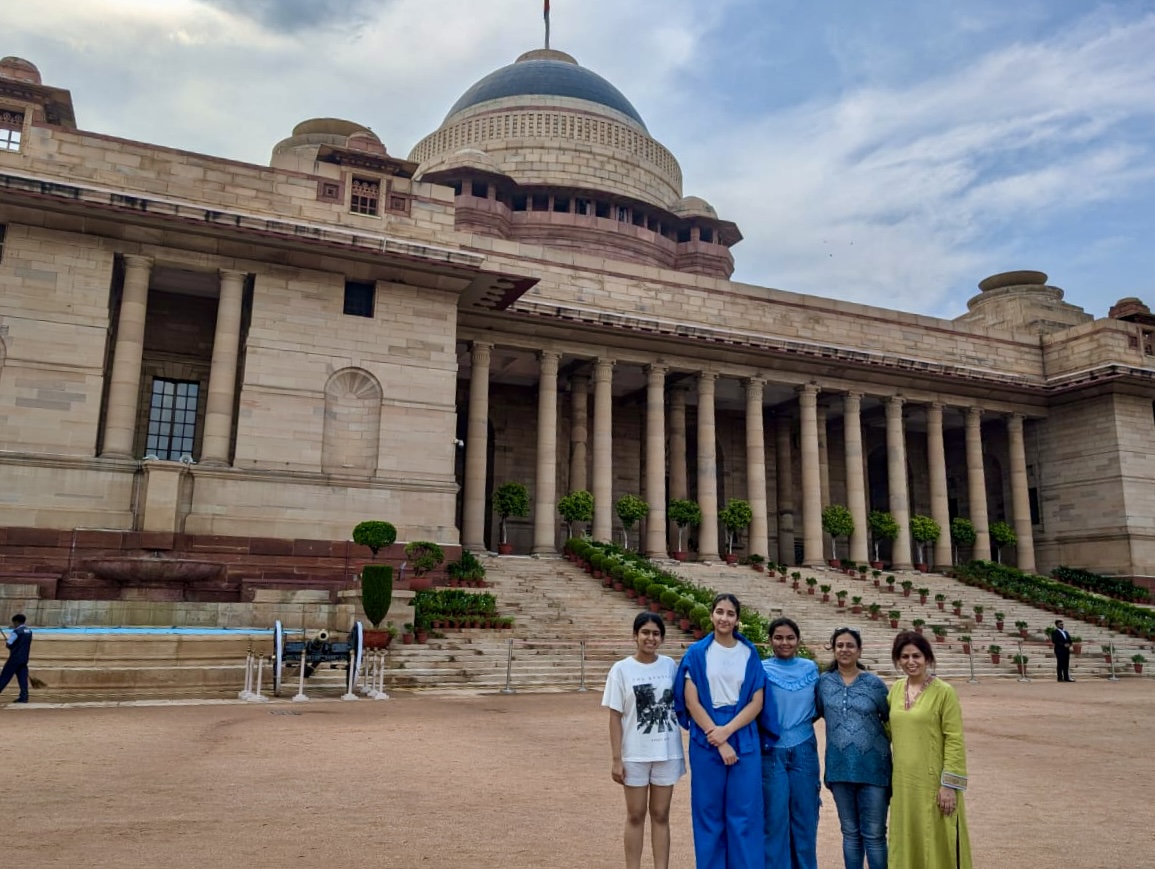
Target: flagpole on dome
547,24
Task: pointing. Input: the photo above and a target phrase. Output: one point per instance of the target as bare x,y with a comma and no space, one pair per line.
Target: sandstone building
199,355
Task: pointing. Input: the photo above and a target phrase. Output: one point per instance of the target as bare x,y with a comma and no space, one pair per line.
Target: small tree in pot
962,533
837,522
423,557
376,596
882,527
631,510
682,513
1002,535
577,506
509,499
374,534
736,515
923,530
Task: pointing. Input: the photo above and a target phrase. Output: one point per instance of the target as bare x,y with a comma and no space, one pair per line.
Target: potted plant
882,527
509,500
837,522
907,587
956,607
376,596
965,639
374,534
1002,535
1106,653
862,569
682,513
875,611
918,625
840,596
890,580
1022,626
940,600
669,600
876,575
735,516
1076,644
631,510
407,634
797,579
923,530
699,616
1020,662
923,593
995,652
939,632
423,556
467,570
757,561
962,533
978,614
577,506
894,616
1138,661
810,583
825,589
684,607
999,619
856,605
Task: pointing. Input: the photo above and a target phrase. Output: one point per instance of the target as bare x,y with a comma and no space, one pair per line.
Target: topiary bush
375,534
837,522
577,506
376,591
630,509
423,556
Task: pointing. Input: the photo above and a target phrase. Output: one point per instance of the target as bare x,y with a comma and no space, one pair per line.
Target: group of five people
755,788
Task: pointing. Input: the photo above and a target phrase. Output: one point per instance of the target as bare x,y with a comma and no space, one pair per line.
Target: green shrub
682,513
376,591
375,534
510,499
423,556
631,510
577,506
837,522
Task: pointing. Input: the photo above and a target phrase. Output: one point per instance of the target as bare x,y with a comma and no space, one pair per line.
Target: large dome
546,73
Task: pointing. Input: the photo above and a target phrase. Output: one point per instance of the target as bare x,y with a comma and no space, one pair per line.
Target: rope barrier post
301,696
509,689
971,659
350,678
379,682
256,695
582,686
1111,646
1022,666
247,692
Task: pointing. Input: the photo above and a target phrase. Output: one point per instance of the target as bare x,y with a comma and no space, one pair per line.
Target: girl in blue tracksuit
720,697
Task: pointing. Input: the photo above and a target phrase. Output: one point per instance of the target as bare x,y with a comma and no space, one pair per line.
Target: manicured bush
882,527
1123,589
423,556
577,506
837,522
376,591
375,534
631,510
682,513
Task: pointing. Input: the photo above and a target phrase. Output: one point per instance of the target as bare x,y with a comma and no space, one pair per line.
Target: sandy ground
1060,776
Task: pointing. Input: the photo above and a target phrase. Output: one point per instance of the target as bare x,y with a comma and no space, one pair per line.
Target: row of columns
813,460
125,377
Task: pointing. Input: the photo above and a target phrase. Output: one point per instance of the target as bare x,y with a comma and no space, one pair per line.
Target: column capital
852,402
1015,421
756,380
604,369
549,360
480,352
232,275
656,372
706,382
974,414
707,375
811,389
138,261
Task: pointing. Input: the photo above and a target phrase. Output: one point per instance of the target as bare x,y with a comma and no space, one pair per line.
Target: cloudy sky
892,152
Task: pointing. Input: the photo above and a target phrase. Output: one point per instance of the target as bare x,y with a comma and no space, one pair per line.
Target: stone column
124,378
707,469
223,374
476,450
784,480
855,490
896,477
656,461
679,485
939,507
823,457
579,433
603,490
811,478
1020,495
977,484
545,494
756,468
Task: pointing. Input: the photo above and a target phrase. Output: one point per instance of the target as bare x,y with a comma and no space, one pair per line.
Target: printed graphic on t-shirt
654,712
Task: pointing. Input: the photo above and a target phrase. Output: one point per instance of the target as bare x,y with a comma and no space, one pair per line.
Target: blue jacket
747,740
19,645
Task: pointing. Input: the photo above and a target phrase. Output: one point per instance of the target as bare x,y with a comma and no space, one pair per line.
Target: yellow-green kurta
926,740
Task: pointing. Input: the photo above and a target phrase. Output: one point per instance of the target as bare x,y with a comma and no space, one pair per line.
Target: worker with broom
19,644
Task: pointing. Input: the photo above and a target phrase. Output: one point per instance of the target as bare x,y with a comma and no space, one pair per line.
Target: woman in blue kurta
855,706
790,776
719,694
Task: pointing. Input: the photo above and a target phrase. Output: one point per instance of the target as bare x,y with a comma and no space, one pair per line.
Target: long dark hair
718,598
838,632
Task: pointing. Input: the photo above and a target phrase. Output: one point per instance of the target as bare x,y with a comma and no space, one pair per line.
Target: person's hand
729,756
617,773
718,735
947,801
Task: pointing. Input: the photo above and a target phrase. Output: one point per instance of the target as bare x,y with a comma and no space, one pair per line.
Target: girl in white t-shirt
645,739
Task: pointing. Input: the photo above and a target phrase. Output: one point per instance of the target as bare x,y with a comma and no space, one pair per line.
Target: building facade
196,351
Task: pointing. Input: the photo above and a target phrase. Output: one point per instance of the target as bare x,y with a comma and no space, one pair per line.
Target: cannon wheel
357,641
278,656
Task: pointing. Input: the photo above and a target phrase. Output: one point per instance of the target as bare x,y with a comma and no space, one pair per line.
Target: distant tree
631,510
837,522
1002,535
682,513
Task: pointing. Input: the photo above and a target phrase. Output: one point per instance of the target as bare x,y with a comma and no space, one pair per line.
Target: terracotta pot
781,577
856,609
978,618
374,639
669,616
957,611
995,659
699,633
876,565
758,567
918,629
1077,648
618,586
875,616
655,606
998,626
810,589
841,602
894,623
966,648
1106,659
922,567
922,598
598,574
939,638
679,555
407,639
731,558
607,582
684,624
631,593
505,549
941,604
421,636
826,598
1138,668
794,585
1022,669
833,562
1023,634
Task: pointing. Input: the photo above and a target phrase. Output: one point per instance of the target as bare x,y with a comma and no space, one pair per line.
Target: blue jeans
791,789
862,816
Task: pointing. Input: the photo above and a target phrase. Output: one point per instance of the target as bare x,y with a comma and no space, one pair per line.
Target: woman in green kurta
928,827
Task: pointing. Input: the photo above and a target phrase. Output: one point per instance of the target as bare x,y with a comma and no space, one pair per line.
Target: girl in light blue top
854,704
790,776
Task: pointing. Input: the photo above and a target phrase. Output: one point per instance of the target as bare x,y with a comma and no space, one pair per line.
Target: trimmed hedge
1123,589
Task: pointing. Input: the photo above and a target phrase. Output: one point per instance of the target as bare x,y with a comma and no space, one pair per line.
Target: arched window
352,423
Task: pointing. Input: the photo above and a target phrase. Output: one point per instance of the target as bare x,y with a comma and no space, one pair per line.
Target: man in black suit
1062,641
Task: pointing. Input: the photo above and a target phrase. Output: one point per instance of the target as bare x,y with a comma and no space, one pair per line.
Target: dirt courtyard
1060,776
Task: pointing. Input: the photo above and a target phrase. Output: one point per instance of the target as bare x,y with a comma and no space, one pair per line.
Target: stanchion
582,686
350,678
256,695
971,658
508,689
301,696
247,693
1022,666
379,679
1111,646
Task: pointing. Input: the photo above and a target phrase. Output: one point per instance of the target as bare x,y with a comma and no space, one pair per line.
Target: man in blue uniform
19,644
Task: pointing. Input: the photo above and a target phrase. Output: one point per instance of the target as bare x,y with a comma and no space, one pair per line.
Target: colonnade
665,460
128,352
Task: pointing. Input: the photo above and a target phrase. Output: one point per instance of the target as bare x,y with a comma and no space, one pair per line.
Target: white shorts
639,773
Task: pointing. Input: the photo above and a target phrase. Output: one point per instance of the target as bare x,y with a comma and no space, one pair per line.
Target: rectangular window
11,128
366,196
172,419
359,297
1033,498
480,190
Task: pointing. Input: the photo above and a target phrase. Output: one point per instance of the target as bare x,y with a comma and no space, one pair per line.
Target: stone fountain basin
150,569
